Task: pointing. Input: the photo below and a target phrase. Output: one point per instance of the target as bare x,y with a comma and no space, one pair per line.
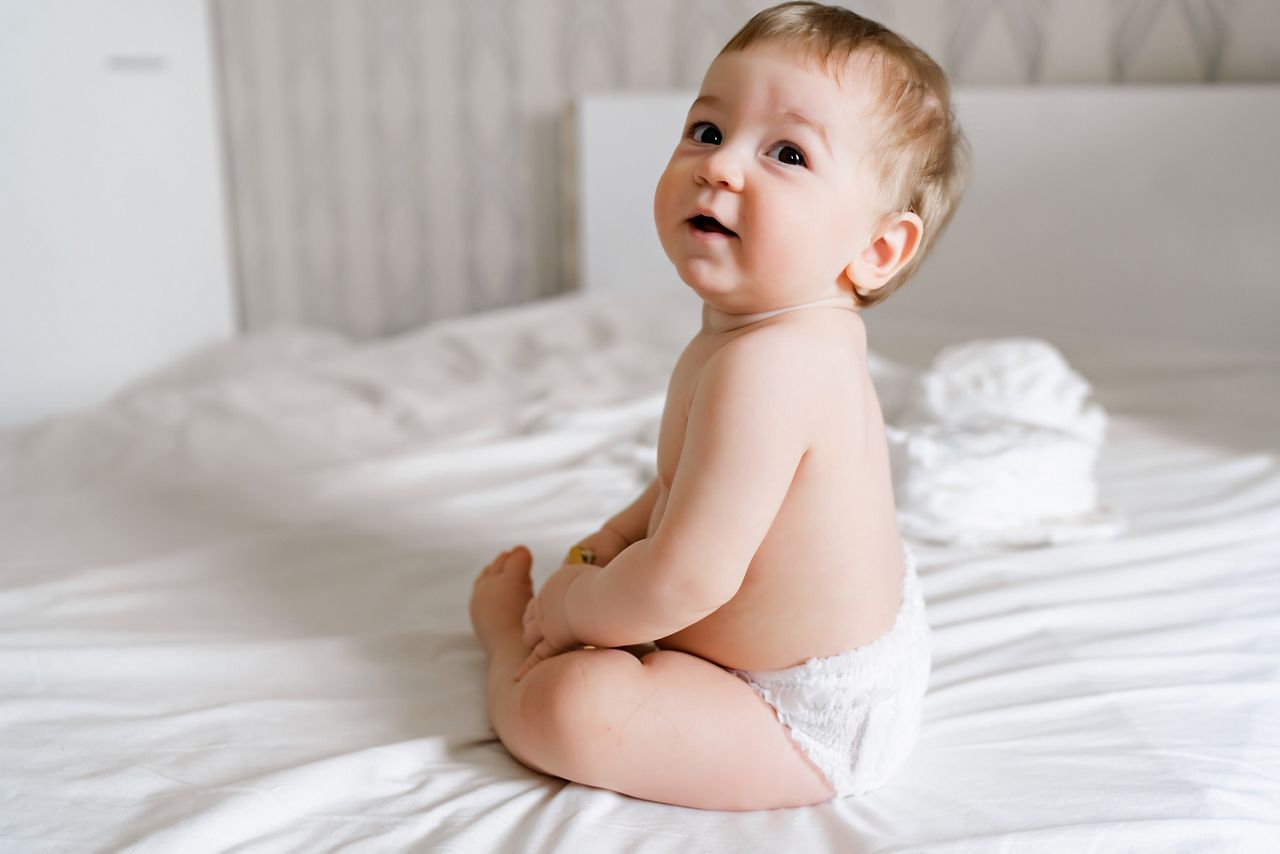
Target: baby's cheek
664,197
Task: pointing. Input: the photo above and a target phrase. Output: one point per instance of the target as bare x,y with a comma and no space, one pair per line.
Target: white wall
1137,215
398,162
113,251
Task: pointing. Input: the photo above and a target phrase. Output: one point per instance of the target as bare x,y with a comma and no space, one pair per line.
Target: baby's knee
564,693
563,706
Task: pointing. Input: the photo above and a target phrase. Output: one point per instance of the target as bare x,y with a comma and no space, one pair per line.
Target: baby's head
820,157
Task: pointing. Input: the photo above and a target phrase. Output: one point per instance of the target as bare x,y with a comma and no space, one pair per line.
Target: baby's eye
787,154
706,133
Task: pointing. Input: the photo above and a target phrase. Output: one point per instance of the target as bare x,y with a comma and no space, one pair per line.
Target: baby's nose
722,168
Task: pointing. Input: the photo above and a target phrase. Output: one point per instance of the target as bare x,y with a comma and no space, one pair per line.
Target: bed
233,598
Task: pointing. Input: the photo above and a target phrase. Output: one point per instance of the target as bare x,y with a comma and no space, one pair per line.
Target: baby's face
796,194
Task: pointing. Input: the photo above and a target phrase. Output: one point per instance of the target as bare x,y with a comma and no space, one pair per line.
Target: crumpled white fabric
997,444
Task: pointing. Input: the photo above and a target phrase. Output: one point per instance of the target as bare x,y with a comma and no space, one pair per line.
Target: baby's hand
545,628
602,546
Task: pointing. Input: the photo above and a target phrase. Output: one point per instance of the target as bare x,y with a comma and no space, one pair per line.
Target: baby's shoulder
829,348
786,365
770,353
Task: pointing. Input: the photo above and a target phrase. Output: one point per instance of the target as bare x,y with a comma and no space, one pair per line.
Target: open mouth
710,224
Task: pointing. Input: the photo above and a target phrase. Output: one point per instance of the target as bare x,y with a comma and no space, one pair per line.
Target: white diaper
856,715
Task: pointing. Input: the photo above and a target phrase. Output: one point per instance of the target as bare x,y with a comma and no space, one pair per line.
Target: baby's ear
892,245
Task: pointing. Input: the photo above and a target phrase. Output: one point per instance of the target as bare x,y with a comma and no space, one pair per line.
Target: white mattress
233,608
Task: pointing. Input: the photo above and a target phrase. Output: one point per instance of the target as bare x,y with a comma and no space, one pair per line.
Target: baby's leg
670,727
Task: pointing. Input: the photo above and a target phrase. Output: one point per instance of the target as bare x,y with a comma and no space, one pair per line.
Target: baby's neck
715,321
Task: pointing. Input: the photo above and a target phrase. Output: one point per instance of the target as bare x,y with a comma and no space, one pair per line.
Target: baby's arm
749,424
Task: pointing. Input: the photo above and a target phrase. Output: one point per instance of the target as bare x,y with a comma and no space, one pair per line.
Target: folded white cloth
997,444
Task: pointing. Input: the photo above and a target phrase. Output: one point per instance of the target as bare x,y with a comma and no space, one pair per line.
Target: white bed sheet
233,608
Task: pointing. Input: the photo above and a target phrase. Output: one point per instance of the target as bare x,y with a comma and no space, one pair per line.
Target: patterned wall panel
398,161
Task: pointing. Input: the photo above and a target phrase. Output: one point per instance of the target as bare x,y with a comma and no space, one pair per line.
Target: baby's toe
518,560
499,598
494,566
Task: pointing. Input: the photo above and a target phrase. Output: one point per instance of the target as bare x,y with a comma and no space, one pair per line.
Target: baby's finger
528,664
541,652
524,668
532,630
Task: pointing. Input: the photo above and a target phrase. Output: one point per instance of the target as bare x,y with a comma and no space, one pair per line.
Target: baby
749,633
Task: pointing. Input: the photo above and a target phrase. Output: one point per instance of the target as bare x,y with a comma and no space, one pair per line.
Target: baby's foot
498,599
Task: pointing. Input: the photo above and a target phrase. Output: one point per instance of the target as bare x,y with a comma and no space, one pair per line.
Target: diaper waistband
908,637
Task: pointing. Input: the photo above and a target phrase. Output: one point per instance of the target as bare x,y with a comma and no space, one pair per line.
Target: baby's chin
707,278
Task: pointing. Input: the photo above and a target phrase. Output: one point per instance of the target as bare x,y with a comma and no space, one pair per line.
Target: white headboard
1149,213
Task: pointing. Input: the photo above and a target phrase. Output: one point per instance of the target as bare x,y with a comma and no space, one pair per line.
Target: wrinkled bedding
233,606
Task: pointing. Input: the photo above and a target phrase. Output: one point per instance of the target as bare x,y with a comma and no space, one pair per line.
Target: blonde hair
922,155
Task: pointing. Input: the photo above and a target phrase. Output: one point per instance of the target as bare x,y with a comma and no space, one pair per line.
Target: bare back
828,575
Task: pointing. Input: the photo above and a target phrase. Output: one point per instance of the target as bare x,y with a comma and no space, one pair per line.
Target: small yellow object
577,554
